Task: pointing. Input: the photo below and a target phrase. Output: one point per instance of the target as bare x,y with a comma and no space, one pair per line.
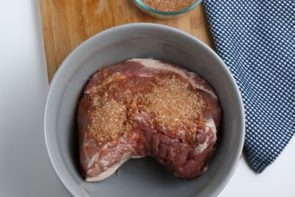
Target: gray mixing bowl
142,177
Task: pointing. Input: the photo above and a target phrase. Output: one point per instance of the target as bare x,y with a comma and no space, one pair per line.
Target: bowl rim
88,41
145,7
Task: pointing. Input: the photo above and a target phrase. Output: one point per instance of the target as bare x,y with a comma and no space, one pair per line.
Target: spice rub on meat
146,107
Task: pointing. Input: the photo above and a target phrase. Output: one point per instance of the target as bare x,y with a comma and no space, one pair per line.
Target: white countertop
25,169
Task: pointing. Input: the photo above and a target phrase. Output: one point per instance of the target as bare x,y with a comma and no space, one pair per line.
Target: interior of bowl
141,177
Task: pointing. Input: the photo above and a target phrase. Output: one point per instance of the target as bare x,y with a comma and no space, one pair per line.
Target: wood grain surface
67,23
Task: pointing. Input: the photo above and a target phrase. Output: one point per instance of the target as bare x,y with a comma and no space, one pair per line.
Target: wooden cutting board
67,23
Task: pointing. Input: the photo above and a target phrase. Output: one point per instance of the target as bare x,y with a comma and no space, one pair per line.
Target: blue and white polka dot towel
256,39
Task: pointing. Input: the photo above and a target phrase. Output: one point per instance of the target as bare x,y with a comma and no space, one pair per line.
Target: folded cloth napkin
256,40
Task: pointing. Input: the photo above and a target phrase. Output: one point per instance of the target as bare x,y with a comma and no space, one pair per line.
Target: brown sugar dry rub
169,5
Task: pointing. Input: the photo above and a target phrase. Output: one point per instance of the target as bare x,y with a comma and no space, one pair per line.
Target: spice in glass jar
169,5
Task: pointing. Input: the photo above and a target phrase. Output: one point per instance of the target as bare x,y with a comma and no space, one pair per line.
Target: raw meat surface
147,107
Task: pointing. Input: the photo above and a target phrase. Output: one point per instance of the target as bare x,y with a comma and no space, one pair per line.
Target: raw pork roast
146,107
